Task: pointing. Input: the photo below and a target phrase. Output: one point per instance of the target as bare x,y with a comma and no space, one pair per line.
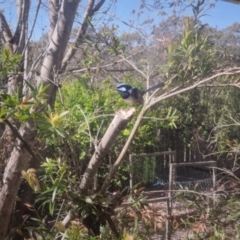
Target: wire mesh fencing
150,170
164,179
167,185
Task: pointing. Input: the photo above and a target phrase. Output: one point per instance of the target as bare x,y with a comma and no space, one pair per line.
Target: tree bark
61,18
12,180
123,152
90,11
18,40
6,32
54,6
57,47
19,156
119,122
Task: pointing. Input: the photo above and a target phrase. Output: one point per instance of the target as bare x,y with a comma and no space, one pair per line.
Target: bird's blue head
124,90
129,93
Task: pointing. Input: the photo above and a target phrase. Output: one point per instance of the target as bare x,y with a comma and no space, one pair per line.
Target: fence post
131,173
170,188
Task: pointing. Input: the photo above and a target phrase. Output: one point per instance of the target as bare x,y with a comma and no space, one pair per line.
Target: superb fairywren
132,94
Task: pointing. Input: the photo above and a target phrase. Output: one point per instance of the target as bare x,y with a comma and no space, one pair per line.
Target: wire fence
151,171
161,177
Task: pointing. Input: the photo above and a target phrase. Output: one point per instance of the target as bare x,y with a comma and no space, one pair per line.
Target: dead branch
79,70
119,122
69,217
134,66
123,152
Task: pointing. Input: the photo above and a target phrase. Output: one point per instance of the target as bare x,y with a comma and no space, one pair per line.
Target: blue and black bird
132,94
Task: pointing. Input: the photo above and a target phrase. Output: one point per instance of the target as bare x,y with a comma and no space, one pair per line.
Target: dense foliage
200,123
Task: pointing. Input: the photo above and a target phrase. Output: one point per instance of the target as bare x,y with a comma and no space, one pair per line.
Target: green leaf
64,113
126,132
54,194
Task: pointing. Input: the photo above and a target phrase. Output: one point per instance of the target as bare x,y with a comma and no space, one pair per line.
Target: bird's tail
159,85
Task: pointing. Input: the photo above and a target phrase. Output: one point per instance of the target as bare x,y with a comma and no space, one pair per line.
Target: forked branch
149,103
90,11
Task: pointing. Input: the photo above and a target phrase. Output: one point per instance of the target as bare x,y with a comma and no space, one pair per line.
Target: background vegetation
196,114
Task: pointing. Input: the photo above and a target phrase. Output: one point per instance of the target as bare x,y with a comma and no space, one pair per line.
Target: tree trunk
19,156
11,181
62,15
119,122
57,46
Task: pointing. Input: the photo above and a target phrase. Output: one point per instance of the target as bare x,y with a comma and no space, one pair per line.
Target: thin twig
33,26
134,66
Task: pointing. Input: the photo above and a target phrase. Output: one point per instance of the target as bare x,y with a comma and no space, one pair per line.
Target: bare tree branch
90,11
221,85
35,65
7,34
33,26
149,103
231,71
18,40
134,66
119,122
54,6
24,25
123,152
79,70
26,47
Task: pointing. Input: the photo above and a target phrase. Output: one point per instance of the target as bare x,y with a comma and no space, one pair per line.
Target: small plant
8,62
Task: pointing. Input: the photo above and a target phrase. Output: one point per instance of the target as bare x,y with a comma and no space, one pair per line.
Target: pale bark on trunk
6,32
12,180
90,11
20,157
123,152
61,21
119,122
57,46
54,6
17,43
18,39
